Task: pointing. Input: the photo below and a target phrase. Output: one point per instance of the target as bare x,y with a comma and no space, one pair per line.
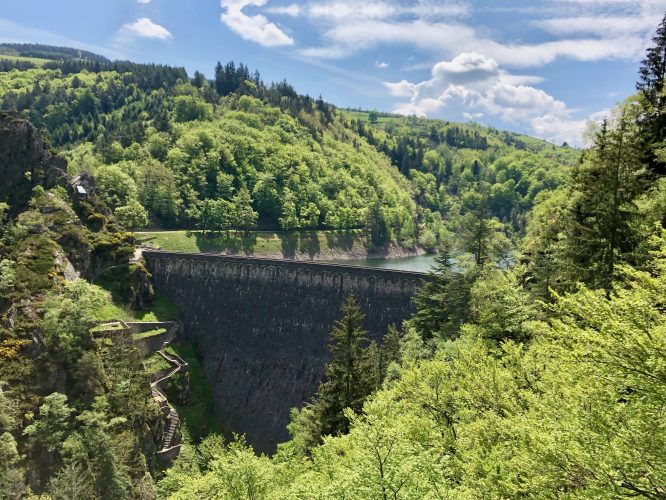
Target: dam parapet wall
262,326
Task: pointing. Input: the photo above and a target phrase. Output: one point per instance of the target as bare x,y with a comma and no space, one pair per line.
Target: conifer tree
652,120
442,301
391,345
602,212
349,376
478,228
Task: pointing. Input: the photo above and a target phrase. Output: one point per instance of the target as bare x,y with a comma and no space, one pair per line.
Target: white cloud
255,28
143,1
344,10
473,86
402,88
145,28
598,25
450,38
466,68
381,64
583,30
293,10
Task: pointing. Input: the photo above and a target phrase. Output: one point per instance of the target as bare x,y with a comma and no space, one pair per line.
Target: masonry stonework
261,327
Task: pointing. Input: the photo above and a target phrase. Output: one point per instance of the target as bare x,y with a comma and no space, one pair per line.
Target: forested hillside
237,153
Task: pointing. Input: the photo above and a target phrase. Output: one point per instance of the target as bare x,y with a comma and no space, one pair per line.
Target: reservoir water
419,264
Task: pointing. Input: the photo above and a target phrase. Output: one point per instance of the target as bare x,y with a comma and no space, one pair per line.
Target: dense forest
236,153
533,367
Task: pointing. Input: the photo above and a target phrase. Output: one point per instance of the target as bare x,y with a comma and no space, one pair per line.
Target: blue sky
543,68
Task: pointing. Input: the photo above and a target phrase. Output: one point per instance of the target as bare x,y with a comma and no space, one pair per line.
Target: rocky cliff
262,327
25,161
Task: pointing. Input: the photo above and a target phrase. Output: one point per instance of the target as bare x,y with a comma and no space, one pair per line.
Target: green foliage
603,210
348,381
7,276
189,108
652,120
69,317
442,301
584,232
72,482
132,215
11,473
116,185
53,424
501,306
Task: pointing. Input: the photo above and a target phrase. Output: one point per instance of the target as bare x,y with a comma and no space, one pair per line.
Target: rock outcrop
25,162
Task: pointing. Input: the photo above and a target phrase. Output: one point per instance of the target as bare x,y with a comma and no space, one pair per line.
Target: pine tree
652,121
605,186
478,228
653,67
349,376
391,345
442,302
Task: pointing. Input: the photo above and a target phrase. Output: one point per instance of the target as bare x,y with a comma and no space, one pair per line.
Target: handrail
155,388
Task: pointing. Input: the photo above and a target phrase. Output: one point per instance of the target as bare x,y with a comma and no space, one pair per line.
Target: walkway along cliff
261,327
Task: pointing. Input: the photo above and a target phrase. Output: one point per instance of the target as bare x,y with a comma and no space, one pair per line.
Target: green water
419,264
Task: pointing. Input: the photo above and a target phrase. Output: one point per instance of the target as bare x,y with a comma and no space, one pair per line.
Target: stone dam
261,327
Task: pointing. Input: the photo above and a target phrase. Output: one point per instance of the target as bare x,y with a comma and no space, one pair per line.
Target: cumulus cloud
466,68
402,88
256,28
474,86
145,28
143,1
381,64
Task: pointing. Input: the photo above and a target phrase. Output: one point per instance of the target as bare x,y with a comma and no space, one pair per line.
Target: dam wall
261,327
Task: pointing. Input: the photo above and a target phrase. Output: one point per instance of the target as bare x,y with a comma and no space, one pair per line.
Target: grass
155,363
259,243
115,281
382,118
162,310
34,60
104,328
148,334
197,415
